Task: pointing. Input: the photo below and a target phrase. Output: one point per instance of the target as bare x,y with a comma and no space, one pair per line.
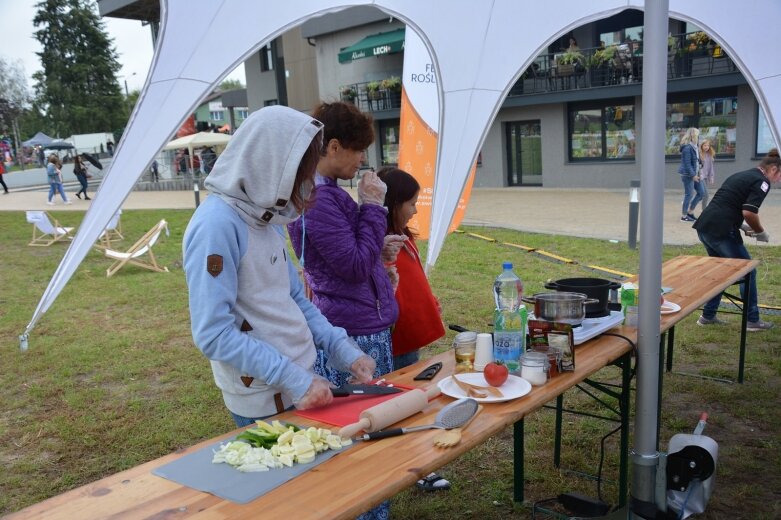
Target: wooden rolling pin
391,411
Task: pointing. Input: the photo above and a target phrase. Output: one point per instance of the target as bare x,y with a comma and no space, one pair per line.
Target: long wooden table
366,474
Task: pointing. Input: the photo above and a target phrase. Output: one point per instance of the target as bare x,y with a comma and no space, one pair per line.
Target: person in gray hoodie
250,316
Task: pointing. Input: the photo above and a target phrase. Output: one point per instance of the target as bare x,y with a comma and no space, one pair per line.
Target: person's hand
393,274
318,394
371,190
392,244
696,178
764,236
363,368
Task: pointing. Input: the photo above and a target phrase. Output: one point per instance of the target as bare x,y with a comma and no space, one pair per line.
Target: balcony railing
689,55
371,97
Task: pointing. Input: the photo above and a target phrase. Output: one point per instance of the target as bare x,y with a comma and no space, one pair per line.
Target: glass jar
464,347
534,367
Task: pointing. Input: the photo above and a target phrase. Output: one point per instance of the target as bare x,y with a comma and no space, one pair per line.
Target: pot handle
589,301
552,286
526,299
614,285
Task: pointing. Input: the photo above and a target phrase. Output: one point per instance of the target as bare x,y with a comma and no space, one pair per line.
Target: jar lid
468,336
532,358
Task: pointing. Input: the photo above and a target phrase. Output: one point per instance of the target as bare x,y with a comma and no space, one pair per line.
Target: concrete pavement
601,214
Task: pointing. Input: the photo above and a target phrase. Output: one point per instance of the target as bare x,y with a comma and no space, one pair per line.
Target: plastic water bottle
509,318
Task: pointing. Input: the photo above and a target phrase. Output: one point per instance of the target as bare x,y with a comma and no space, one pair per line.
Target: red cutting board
347,410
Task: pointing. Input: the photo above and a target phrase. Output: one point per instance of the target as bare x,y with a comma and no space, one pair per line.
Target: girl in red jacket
419,322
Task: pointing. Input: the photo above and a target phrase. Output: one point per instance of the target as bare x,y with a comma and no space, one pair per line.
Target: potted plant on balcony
373,89
568,62
391,84
599,65
348,93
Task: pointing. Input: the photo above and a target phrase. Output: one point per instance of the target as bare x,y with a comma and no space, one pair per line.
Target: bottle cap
507,265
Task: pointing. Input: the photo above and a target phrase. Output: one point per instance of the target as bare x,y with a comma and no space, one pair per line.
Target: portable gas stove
592,327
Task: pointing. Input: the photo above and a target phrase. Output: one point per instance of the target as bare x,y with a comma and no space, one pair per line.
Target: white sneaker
50,203
68,202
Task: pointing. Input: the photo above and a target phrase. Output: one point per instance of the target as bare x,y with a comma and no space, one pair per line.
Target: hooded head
257,171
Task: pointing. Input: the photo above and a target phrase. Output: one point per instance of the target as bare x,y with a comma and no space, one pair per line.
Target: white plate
513,388
670,307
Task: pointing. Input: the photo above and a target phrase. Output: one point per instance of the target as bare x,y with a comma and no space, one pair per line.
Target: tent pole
645,455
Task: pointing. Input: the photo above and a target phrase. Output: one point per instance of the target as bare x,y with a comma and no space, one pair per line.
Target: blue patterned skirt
378,346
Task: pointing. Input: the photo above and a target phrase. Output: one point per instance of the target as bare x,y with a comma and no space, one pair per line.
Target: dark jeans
730,247
83,180
405,360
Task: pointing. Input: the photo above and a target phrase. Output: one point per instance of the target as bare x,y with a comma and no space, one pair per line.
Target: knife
345,390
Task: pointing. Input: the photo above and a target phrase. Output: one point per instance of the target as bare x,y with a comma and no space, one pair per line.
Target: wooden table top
370,472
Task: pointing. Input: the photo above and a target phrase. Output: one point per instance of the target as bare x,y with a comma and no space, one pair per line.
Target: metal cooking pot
564,307
597,288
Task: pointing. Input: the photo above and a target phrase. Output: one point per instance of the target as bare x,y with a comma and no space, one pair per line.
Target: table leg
518,481
670,342
659,396
743,323
557,435
624,407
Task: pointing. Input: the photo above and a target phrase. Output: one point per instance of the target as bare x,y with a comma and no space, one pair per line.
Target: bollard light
634,212
196,191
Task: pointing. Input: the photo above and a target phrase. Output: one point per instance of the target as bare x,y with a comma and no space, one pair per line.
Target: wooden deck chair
113,231
46,230
140,253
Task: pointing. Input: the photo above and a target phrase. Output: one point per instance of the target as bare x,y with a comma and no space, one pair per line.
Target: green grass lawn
112,379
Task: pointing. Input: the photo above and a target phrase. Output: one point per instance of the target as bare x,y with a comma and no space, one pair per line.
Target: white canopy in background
479,49
198,140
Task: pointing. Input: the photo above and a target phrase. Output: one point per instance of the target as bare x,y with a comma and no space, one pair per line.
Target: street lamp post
127,93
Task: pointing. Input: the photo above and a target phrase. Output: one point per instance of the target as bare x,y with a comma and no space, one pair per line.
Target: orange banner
418,157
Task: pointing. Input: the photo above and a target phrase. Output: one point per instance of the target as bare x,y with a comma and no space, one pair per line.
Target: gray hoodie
248,310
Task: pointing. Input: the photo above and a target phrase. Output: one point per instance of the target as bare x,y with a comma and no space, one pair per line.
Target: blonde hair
690,135
710,148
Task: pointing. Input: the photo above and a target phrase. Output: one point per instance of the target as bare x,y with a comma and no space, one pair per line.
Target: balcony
689,55
374,96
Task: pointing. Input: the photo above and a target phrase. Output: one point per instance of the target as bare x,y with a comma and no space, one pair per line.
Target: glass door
524,153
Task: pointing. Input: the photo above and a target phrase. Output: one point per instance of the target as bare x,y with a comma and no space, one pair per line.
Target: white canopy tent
198,140
470,43
473,70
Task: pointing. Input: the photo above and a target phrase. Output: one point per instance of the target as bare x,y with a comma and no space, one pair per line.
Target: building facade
572,119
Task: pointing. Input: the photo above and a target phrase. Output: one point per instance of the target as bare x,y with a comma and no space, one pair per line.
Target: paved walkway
601,214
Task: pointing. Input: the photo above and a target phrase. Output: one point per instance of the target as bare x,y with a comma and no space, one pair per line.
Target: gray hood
256,172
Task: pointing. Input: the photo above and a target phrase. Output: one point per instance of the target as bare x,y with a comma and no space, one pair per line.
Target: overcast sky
132,40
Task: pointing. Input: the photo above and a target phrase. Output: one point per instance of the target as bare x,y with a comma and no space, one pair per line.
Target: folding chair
46,230
113,231
138,250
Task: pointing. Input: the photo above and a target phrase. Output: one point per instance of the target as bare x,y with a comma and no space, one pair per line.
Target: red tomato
495,374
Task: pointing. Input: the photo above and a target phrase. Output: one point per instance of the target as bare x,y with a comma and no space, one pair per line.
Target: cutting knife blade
346,390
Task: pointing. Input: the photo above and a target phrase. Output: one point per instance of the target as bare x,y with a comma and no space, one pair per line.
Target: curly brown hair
345,123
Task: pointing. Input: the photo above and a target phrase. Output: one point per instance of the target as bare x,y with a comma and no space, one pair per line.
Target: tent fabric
375,45
38,139
473,71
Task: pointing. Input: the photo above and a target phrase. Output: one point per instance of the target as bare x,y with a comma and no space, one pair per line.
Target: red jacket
419,320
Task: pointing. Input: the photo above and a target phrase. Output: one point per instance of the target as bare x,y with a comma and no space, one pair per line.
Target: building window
714,115
266,58
602,131
764,137
389,142
215,115
270,102
242,113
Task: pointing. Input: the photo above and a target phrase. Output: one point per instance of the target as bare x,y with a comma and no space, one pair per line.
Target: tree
14,99
77,90
14,95
230,84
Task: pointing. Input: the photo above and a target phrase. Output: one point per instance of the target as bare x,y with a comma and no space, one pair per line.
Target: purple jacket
342,264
